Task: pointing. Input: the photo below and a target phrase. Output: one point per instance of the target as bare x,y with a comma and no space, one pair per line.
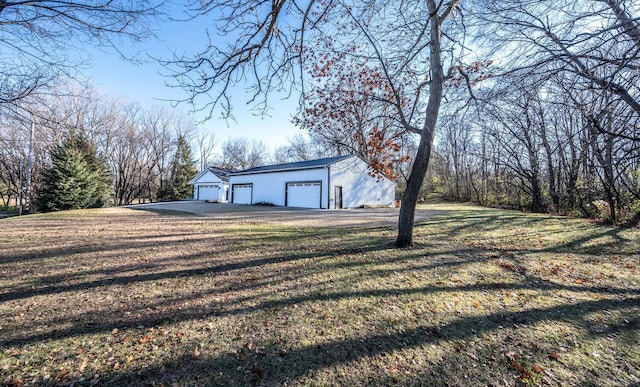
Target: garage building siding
271,187
359,187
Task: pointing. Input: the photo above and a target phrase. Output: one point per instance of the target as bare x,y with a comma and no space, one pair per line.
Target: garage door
304,194
242,193
208,192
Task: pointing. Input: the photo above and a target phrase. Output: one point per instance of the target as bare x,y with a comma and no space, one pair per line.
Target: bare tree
301,148
41,41
13,143
597,42
138,143
346,112
160,129
455,148
206,143
562,115
544,145
240,153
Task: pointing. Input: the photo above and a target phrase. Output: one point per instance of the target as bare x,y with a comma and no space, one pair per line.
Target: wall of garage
209,187
358,187
270,187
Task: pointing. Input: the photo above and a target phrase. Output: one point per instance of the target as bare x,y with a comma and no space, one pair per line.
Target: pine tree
182,171
78,178
98,164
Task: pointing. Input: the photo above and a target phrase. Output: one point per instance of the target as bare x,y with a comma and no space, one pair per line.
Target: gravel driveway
361,217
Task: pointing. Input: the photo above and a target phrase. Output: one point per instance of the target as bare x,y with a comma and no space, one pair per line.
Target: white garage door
242,193
303,194
208,192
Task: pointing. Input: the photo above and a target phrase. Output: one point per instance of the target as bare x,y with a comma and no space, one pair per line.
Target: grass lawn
486,297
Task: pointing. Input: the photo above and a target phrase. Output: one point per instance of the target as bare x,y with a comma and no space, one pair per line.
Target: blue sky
144,83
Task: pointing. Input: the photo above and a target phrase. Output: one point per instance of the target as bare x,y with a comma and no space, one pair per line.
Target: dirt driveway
361,217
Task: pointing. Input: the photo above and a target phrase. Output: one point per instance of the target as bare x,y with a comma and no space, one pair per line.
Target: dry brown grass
487,297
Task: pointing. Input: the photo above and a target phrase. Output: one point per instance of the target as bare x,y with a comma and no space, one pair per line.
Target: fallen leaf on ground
144,340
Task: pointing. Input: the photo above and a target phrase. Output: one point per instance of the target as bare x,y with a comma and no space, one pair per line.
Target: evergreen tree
78,178
182,171
98,164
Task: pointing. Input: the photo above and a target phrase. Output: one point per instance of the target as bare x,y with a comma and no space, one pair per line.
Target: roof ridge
295,164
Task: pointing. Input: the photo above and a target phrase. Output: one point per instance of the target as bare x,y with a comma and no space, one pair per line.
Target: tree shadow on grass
274,364
462,222
250,280
153,311
55,284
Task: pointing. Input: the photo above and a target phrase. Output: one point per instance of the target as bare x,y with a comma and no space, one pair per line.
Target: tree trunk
551,170
411,193
627,22
419,169
536,195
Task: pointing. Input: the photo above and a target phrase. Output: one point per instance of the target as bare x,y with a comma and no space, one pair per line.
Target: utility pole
20,188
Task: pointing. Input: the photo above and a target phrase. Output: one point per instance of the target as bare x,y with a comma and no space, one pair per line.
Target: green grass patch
486,297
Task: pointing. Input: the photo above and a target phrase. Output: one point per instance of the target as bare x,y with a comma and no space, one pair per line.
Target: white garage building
212,184
336,182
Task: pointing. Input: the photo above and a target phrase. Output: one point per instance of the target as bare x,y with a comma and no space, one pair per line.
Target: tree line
116,152
540,149
145,150
560,130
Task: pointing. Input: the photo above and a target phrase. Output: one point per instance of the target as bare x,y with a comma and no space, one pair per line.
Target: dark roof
308,164
222,173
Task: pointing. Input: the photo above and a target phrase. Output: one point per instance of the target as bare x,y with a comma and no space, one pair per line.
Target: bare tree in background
240,153
138,142
588,54
301,148
595,44
206,143
40,41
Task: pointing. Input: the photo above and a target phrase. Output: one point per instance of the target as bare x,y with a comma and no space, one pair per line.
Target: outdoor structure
212,184
336,182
